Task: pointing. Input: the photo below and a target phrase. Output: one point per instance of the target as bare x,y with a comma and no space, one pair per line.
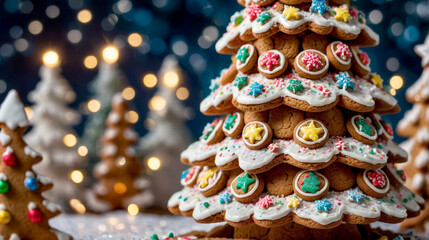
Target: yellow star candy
377,80
293,202
207,175
342,14
311,132
253,133
291,13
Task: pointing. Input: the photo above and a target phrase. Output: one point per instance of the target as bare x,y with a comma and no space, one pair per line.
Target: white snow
420,89
130,134
44,180
53,207
4,138
110,149
117,98
14,236
31,152
9,150
418,181
422,159
423,135
31,205
113,117
2,206
110,133
12,111
101,168
411,116
95,204
3,177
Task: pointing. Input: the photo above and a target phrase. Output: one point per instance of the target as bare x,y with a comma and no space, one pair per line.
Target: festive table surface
120,225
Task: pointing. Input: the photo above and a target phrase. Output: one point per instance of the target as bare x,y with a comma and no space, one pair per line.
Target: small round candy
4,186
35,215
31,183
9,159
4,217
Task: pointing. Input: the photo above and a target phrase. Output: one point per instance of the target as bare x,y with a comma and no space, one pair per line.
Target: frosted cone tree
298,136
52,133
169,135
119,172
24,212
415,125
106,84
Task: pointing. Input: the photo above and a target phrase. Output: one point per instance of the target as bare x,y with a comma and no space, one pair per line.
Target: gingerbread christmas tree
119,172
24,213
415,126
298,136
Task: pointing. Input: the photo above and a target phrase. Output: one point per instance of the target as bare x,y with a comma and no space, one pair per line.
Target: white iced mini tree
52,120
168,137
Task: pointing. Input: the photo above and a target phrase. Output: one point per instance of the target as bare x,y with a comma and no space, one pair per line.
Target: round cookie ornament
396,176
272,63
360,63
213,133
310,185
361,129
384,130
189,176
246,58
246,187
310,133
233,125
373,182
311,64
212,181
339,55
257,135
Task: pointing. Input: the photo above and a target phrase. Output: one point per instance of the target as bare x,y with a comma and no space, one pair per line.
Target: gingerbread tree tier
24,213
298,137
415,125
119,172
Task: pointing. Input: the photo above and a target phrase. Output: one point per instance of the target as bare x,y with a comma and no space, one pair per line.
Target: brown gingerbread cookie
339,55
279,180
361,129
212,181
272,63
257,135
233,125
374,183
283,120
228,74
246,187
213,133
310,133
360,63
315,41
384,130
396,176
333,120
340,176
246,58
288,45
255,116
311,64
310,185
263,45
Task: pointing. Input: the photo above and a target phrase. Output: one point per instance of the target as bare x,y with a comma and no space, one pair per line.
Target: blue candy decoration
184,173
255,89
344,81
355,195
225,197
213,85
323,205
31,183
319,6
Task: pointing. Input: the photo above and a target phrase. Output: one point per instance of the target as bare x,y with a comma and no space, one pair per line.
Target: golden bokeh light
150,80
154,163
133,209
29,112
35,27
128,93
120,188
76,176
90,62
70,140
51,58
135,39
392,91
77,206
110,54
84,16
396,82
157,103
94,105
132,116
182,93
82,151
171,79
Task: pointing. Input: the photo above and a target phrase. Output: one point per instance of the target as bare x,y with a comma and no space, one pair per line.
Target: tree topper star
423,51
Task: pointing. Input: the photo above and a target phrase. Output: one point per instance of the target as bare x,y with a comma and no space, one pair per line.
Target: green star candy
365,127
242,54
240,82
229,123
238,20
244,182
263,17
311,183
295,86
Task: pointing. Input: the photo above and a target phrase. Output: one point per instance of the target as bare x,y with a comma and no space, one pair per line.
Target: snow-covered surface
12,111
121,226
395,228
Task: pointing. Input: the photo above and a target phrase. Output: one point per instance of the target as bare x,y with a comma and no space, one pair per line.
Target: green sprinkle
154,236
206,204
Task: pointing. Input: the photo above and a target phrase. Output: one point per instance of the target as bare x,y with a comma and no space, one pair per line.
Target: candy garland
328,210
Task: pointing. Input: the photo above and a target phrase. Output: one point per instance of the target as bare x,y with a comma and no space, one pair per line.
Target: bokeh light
150,80
133,209
128,93
110,54
82,151
396,82
50,58
77,206
90,62
182,93
135,39
132,116
154,163
35,27
94,105
120,188
157,103
84,16
76,176
70,140
171,79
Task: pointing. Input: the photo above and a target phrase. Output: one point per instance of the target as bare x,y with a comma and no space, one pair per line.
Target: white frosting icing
368,182
282,62
31,152
197,170
277,211
12,111
212,207
325,133
309,194
374,137
222,93
248,193
324,67
238,212
3,177
4,138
